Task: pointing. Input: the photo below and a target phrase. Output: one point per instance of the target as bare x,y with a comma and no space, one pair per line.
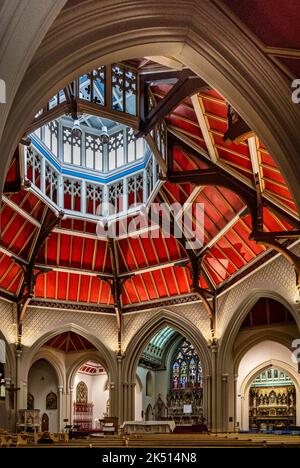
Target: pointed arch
149,384
85,357
52,360
234,325
103,354
164,318
241,72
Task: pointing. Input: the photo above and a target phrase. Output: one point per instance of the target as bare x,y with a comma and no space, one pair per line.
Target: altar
142,427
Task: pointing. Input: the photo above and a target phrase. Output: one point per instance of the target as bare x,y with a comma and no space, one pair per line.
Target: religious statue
272,399
159,408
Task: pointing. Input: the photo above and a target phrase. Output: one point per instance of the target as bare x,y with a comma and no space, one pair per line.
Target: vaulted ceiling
74,266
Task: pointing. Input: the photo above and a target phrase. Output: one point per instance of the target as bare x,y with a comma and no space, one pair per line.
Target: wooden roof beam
191,149
186,85
30,277
203,124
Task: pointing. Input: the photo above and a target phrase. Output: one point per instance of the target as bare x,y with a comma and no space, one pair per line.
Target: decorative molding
72,306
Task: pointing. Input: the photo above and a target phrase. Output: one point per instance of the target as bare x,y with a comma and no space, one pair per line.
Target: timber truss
100,97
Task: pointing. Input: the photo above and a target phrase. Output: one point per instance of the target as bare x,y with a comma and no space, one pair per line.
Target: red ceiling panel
10,274
69,247
276,23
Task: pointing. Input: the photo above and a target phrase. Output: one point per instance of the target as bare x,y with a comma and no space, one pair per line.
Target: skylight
86,147
88,176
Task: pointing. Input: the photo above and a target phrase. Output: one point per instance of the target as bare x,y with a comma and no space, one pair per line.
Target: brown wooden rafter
219,176
253,198
238,130
198,154
116,284
194,266
186,85
30,272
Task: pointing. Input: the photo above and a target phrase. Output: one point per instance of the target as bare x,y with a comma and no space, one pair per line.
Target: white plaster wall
138,401
160,386
42,380
96,393
276,276
261,353
146,400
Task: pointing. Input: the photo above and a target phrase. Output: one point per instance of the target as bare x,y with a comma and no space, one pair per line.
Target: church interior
149,251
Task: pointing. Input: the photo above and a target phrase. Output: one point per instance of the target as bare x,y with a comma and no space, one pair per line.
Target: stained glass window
186,367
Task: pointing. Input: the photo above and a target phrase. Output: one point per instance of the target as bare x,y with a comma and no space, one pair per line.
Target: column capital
206,377
60,388
213,344
120,357
18,352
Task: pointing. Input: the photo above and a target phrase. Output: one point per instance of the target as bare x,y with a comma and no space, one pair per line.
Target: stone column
113,407
207,400
60,408
18,396
236,428
70,415
119,398
125,401
214,387
132,400
224,400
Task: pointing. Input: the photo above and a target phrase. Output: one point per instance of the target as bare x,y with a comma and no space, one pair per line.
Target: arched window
2,382
149,385
186,367
81,393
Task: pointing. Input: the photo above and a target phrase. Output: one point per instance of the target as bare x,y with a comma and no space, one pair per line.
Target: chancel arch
141,339
172,363
177,322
